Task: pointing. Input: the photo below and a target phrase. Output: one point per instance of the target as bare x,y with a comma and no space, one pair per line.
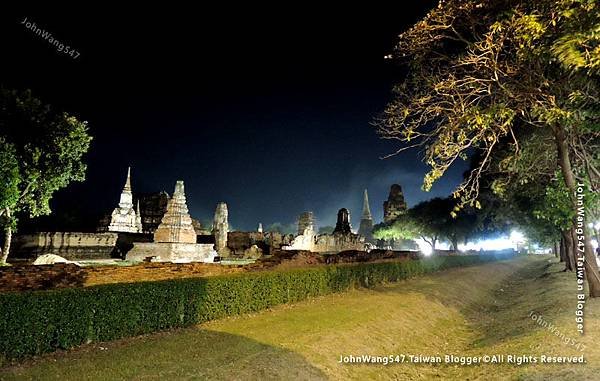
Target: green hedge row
43,321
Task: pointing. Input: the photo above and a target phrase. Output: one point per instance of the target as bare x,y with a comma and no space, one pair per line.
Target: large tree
482,72
41,152
431,221
529,192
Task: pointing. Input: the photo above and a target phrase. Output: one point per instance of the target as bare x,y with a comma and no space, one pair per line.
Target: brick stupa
175,237
176,224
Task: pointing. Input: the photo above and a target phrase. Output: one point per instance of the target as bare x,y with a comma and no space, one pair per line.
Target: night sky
266,109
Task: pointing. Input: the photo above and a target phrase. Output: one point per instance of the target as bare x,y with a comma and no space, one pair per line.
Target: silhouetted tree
41,152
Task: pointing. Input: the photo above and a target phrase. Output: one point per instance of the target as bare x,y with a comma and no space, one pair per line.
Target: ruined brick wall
70,245
240,243
126,240
334,243
276,240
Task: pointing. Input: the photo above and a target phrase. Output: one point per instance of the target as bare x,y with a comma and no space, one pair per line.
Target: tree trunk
431,242
591,267
569,250
556,250
7,238
564,162
455,245
562,252
454,241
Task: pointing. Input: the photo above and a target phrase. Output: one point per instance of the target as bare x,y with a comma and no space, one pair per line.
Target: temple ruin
176,223
220,229
306,224
343,226
341,239
152,209
175,238
124,218
366,221
395,204
157,227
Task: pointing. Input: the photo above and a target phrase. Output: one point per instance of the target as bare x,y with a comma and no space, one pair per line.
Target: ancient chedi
341,239
153,207
305,240
220,229
306,224
175,237
342,226
366,221
176,224
124,218
395,204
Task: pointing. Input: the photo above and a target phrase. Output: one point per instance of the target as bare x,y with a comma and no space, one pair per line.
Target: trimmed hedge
43,321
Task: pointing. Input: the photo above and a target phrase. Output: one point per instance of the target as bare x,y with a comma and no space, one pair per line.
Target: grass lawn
479,310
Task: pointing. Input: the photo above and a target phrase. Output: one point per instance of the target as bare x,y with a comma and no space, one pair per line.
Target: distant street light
517,239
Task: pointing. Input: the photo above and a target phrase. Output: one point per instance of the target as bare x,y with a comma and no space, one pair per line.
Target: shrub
43,321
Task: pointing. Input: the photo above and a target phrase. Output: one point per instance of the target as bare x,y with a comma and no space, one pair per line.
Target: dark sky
266,109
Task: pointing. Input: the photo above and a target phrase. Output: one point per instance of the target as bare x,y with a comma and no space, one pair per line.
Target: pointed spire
366,213
127,187
123,217
366,222
126,200
179,190
138,218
